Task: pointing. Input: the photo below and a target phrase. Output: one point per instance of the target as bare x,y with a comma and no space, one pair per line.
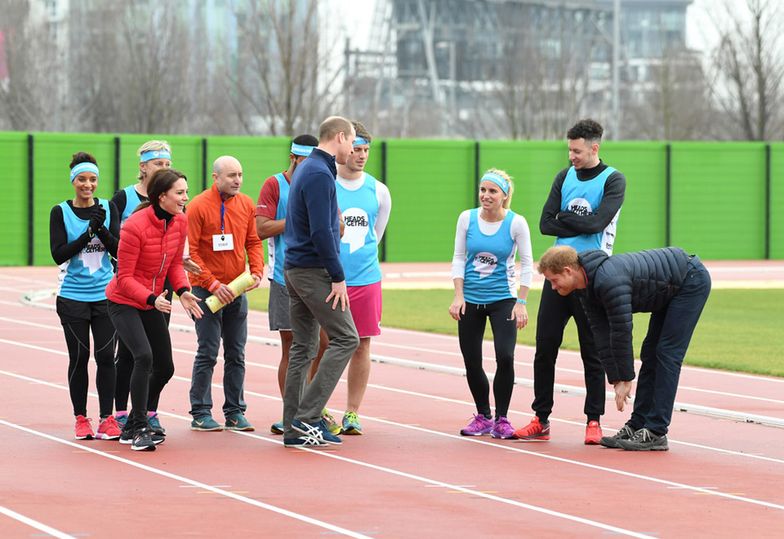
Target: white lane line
452,340
383,469
191,482
733,415
40,526
403,391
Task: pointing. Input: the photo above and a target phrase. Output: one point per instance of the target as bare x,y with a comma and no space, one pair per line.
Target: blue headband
83,167
154,154
496,179
359,141
301,149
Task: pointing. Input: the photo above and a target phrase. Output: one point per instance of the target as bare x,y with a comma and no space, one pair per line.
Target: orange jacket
204,221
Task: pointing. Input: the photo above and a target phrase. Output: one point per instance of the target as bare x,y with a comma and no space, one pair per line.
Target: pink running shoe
83,429
108,429
502,429
478,426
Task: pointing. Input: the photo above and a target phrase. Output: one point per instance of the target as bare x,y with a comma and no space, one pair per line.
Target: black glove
97,217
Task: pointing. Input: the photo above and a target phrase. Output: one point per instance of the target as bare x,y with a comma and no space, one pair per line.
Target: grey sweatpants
308,288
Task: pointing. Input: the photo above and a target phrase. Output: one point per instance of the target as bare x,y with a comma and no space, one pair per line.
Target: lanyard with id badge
222,241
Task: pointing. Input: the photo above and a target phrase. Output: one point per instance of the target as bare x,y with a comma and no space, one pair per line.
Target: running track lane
550,482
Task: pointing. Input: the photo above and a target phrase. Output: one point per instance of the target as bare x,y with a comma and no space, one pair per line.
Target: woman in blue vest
483,271
83,236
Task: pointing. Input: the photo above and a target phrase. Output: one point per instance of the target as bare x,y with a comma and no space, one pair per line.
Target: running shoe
121,418
478,426
645,440
502,429
277,428
534,431
351,424
302,441
155,424
108,429
238,422
128,435
593,433
206,424
83,430
332,425
318,430
625,433
142,440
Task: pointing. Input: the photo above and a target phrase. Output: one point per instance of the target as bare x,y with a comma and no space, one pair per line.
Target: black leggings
554,313
146,335
78,318
471,331
124,364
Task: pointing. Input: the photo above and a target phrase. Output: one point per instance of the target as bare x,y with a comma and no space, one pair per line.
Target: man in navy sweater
316,285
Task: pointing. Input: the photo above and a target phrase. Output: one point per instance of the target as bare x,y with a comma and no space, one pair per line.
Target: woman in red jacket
150,251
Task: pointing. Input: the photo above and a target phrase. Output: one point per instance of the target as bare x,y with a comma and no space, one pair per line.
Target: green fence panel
14,203
186,157
777,201
642,223
431,182
532,166
718,199
52,155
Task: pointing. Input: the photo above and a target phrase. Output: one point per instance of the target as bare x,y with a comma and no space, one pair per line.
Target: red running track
410,475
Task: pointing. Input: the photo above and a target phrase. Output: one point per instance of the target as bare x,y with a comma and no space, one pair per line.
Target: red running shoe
83,429
534,431
108,429
593,433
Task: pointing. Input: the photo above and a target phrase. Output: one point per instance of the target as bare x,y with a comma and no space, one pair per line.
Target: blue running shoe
318,430
302,441
238,422
205,424
121,418
155,424
277,428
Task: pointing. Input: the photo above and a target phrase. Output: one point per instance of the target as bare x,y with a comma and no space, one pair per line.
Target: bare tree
132,72
672,103
282,80
31,97
747,69
543,75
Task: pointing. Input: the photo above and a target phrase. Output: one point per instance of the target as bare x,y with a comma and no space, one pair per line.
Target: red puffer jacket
150,250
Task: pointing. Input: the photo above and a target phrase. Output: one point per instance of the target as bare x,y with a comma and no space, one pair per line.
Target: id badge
222,242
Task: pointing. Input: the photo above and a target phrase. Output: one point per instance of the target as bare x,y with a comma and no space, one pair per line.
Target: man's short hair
587,129
333,125
555,259
362,131
305,140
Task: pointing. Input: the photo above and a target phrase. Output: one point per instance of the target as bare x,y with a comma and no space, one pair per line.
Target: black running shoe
645,440
625,433
142,440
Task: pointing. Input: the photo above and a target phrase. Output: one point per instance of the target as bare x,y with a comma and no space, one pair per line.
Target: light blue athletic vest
359,244
583,198
85,275
132,200
489,271
277,247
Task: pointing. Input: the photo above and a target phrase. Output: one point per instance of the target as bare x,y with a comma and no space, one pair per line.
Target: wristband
521,301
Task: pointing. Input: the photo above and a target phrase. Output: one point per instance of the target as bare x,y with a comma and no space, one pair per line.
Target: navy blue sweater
312,232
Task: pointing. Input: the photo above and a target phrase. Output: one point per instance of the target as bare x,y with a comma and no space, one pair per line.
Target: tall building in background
459,54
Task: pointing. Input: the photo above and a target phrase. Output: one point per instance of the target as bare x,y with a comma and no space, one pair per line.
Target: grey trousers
308,288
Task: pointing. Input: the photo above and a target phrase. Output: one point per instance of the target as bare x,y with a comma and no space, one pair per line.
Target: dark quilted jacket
621,285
